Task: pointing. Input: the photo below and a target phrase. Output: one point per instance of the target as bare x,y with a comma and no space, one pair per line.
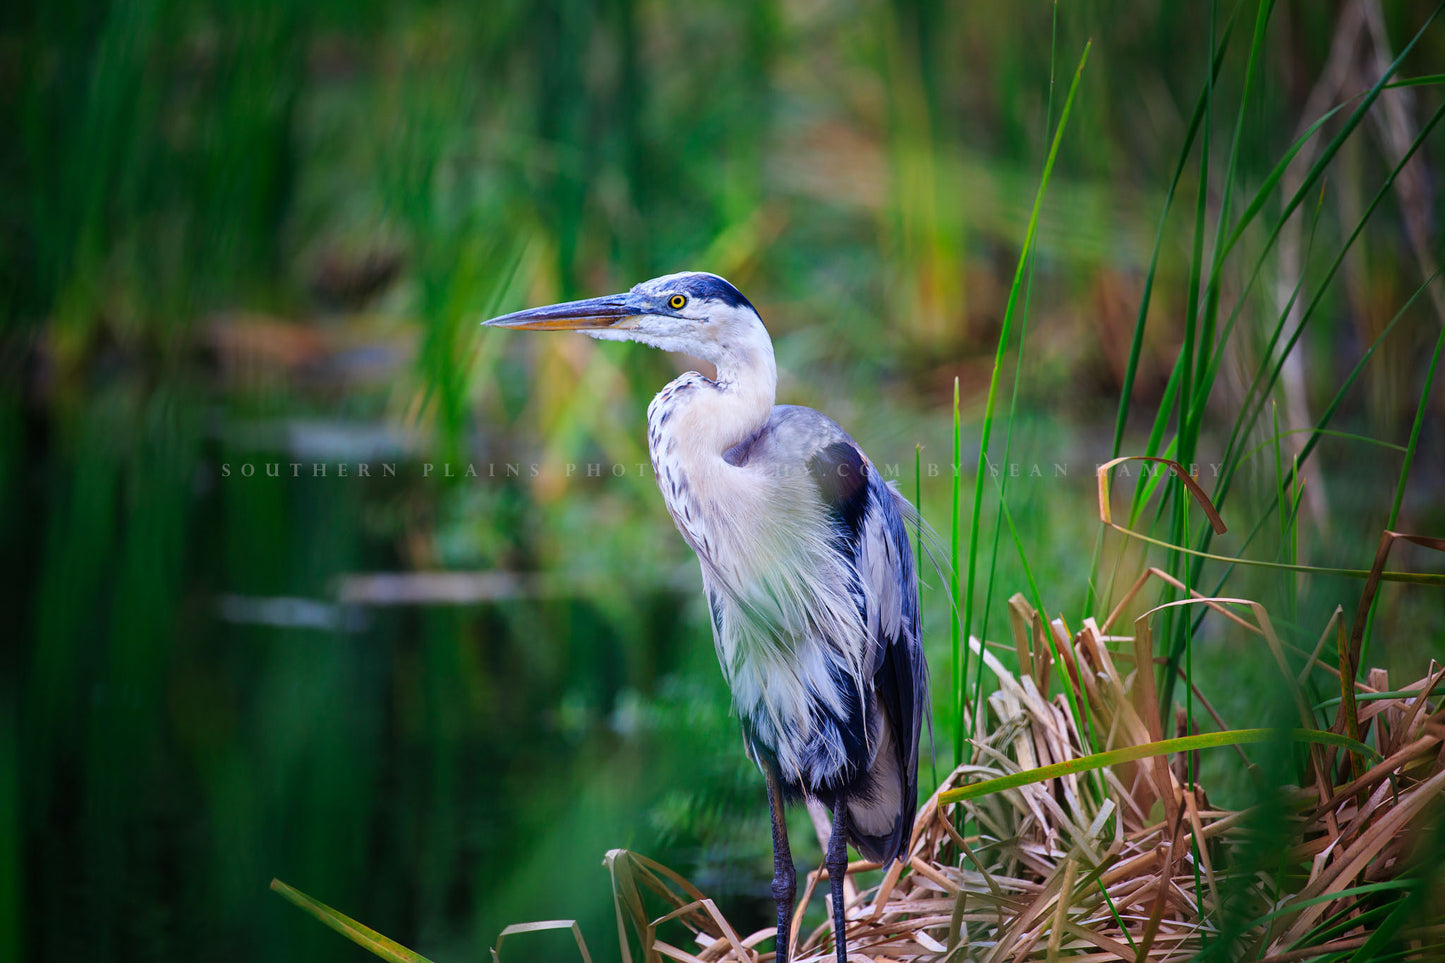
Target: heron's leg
837,862
784,876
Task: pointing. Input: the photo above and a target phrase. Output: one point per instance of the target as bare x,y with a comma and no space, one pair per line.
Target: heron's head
691,313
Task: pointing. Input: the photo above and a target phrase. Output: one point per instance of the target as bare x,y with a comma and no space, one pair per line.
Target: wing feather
899,674
870,532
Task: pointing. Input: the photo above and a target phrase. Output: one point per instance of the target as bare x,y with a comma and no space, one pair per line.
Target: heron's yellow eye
677,301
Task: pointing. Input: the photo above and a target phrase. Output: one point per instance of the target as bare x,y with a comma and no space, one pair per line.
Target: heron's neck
747,386
694,420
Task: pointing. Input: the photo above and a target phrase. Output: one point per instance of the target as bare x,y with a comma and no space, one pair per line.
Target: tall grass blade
958,662
1420,410
358,933
1005,333
1136,344
1002,480
1162,747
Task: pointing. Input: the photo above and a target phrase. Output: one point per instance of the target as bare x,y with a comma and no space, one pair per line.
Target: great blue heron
806,564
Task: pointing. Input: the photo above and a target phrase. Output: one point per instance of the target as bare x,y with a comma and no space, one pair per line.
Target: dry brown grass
1126,862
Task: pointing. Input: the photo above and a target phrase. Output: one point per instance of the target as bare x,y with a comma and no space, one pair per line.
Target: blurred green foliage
260,233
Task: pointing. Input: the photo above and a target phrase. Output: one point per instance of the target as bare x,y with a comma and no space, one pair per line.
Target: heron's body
805,562
802,630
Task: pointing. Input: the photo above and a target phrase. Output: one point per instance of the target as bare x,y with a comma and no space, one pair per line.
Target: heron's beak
592,313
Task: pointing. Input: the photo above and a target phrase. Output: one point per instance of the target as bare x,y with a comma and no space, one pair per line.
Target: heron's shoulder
791,436
807,420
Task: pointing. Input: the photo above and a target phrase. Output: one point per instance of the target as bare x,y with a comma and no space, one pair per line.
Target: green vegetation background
257,233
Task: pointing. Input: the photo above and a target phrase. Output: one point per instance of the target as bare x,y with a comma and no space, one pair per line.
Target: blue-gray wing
870,524
878,666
